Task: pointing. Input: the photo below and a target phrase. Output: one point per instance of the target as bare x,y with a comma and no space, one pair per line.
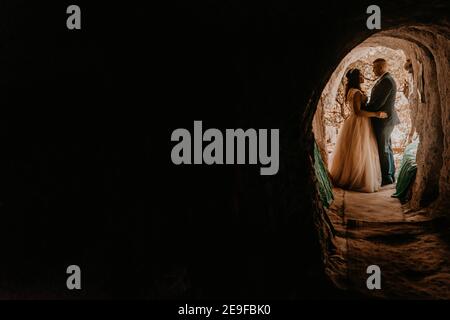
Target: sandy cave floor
411,249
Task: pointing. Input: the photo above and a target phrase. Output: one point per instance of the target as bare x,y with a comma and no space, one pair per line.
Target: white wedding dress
355,164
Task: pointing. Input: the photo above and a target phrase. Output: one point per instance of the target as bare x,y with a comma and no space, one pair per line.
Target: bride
355,164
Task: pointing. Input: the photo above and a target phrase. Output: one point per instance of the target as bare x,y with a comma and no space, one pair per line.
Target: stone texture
378,206
411,250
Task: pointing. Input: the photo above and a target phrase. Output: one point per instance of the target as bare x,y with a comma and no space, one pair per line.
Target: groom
382,98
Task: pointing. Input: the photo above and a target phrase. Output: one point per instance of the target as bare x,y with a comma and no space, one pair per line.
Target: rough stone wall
442,57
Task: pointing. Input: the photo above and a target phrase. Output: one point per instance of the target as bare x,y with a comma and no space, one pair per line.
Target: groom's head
379,67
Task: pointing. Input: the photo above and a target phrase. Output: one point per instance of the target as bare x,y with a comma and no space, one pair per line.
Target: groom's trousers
383,135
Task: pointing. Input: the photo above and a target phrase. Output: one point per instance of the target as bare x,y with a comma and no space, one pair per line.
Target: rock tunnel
109,198
427,47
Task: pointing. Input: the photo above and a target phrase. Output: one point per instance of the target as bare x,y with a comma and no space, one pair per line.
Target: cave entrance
332,111
408,240
416,59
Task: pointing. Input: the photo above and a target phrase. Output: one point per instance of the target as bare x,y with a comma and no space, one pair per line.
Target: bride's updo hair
353,80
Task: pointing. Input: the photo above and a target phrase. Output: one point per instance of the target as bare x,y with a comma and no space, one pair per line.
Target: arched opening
333,110
376,228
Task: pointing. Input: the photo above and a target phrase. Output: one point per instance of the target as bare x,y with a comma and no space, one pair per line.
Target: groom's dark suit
382,98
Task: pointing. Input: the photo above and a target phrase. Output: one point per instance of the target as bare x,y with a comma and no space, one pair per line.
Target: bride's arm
357,101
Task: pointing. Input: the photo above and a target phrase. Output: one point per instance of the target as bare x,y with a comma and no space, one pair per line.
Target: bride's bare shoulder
354,93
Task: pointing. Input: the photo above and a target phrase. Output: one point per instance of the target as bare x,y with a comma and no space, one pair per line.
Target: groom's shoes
387,181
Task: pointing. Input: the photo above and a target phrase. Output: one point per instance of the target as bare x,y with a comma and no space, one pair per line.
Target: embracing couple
363,159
